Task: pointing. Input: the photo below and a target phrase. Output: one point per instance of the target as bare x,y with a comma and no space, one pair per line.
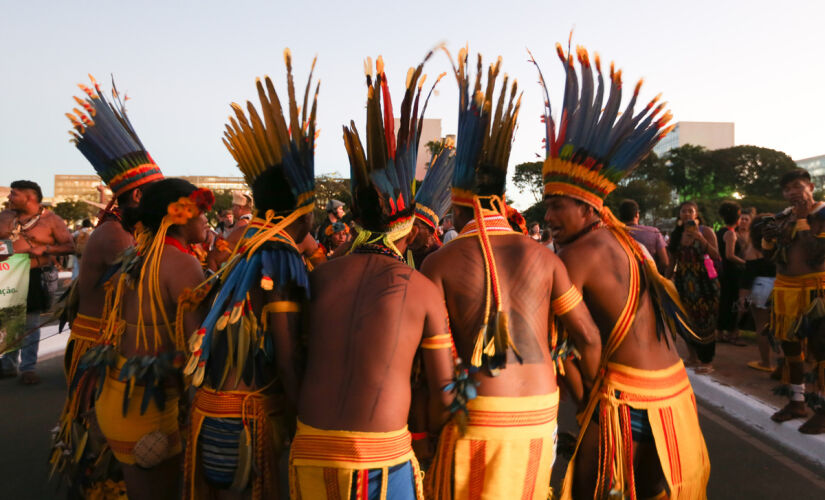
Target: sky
756,63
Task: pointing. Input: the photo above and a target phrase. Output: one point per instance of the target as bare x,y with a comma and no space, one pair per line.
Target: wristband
802,225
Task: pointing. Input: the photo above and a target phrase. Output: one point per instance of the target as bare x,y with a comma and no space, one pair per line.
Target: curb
52,343
755,415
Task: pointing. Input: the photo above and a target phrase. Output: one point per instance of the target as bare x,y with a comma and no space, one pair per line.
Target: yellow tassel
237,309
479,347
222,321
197,379
191,365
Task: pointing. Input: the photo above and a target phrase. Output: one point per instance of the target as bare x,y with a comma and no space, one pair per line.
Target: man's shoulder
53,218
109,233
642,229
590,246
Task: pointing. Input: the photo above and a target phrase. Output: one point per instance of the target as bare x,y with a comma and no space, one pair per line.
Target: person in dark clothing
730,249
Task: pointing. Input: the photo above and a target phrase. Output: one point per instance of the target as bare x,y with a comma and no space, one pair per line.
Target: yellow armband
279,306
802,225
566,302
443,341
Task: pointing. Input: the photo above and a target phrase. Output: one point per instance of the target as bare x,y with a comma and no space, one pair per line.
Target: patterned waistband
525,411
814,281
361,450
646,385
86,328
234,404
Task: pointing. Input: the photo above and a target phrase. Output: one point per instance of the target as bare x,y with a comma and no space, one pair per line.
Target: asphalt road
743,467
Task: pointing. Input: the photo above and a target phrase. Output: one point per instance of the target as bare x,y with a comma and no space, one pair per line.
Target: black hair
489,180
86,223
271,191
757,227
534,223
157,197
628,210
792,175
730,212
29,185
676,235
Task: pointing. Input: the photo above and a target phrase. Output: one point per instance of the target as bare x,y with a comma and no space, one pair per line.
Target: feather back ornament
485,130
594,146
103,133
383,173
275,149
432,200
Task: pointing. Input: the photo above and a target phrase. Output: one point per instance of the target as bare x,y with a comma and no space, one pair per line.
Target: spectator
335,213
44,236
337,234
241,208
534,231
81,237
648,236
756,287
226,221
691,247
448,228
730,248
547,240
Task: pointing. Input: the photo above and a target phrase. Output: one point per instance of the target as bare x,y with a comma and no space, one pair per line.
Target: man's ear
137,194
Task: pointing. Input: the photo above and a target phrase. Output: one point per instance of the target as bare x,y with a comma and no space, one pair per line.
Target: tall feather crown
383,173
277,158
105,136
432,199
485,132
591,150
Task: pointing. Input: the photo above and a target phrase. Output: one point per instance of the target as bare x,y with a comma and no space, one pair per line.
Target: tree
648,186
527,177
74,210
223,201
330,187
756,171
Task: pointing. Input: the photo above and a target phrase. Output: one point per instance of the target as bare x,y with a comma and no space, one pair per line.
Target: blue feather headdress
277,157
382,175
593,147
107,139
432,199
485,132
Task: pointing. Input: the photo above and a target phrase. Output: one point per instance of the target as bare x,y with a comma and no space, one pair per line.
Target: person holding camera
693,250
43,235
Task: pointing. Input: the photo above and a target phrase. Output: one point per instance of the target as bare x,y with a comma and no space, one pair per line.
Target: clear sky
757,63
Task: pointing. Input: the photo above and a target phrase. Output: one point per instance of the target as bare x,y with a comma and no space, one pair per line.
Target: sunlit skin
800,194
566,218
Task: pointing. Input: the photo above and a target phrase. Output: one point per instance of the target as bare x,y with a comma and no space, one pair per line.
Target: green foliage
535,213
223,201
330,187
434,147
76,210
527,177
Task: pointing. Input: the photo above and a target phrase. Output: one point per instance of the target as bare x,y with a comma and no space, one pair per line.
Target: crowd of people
420,346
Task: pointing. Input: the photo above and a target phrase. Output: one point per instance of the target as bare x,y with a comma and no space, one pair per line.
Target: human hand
38,251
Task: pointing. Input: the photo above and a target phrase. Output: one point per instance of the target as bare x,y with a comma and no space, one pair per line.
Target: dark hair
157,197
730,212
534,223
29,185
86,223
489,180
749,211
628,210
271,191
792,175
676,235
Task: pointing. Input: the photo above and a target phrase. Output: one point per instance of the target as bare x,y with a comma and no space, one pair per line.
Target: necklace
380,250
168,240
20,227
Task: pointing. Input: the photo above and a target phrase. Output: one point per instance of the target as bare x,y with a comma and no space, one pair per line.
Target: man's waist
350,449
814,280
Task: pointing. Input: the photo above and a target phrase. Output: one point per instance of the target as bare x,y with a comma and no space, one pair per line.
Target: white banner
14,288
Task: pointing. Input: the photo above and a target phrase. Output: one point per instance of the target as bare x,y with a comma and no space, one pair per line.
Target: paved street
743,466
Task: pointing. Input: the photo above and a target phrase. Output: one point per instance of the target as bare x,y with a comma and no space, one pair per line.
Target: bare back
601,269
105,244
526,273
367,317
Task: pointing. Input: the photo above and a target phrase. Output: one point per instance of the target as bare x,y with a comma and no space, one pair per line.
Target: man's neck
333,218
28,211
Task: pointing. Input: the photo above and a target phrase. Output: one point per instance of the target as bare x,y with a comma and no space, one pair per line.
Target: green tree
756,171
223,201
74,210
647,185
527,177
330,187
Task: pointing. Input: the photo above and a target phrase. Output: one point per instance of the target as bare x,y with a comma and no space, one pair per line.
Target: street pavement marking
764,448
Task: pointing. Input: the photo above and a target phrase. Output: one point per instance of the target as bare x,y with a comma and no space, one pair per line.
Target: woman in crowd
692,249
756,287
730,249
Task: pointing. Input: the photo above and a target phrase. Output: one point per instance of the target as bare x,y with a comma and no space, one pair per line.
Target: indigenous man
502,294
42,235
120,159
369,314
432,200
335,213
640,435
795,240
337,234
244,358
226,241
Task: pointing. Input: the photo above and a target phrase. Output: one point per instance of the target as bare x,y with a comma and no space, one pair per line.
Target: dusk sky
756,63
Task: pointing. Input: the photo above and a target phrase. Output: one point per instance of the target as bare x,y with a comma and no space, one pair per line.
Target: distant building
815,166
91,188
217,183
709,135
430,131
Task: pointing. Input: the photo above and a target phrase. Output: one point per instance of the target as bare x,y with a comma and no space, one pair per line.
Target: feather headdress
432,199
383,173
276,156
485,132
105,136
592,148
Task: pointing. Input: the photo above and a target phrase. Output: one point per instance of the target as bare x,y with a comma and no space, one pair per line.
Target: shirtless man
369,314
42,235
642,384
241,214
793,240
503,293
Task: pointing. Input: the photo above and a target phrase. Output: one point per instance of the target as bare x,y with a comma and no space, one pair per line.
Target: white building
709,135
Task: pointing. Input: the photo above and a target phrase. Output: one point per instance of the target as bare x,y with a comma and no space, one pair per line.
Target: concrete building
217,183
709,135
815,165
430,131
91,188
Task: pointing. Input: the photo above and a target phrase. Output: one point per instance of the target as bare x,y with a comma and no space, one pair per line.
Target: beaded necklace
376,248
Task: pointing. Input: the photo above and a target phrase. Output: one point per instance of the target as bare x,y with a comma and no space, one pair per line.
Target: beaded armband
567,301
